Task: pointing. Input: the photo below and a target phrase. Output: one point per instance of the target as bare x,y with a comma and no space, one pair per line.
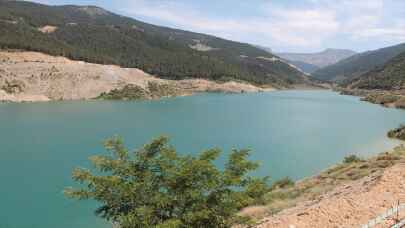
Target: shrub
285,182
156,187
351,159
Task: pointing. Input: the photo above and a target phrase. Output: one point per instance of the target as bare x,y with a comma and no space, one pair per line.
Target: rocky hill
93,34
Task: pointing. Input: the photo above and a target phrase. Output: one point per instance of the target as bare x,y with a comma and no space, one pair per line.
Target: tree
156,187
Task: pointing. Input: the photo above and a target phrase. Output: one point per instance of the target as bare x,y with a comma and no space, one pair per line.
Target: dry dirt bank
363,190
33,76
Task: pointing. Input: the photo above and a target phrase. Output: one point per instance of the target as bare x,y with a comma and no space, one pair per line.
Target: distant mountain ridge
305,67
359,64
95,35
321,59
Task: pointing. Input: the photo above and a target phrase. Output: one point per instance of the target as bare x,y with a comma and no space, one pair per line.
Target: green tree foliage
391,76
156,187
94,35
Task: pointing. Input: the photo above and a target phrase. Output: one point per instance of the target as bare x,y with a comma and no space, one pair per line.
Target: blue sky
283,25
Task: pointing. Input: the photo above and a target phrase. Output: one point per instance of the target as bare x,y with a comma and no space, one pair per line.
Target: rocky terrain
33,76
349,205
386,98
349,194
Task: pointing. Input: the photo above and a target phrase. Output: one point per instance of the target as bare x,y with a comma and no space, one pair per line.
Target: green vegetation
154,90
351,159
354,66
389,77
156,187
128,92
95,35
398,133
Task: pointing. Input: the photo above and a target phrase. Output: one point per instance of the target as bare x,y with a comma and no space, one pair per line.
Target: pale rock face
48,29
33,76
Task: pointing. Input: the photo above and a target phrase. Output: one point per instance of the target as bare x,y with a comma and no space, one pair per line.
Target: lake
292,133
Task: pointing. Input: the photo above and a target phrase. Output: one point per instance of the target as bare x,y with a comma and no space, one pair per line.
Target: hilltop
95,35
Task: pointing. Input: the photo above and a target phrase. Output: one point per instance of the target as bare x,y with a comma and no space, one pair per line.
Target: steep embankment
93,34
33,76
346,195
349,205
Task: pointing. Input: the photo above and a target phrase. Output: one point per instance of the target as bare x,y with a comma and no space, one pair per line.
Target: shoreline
27,76
286,209
42,99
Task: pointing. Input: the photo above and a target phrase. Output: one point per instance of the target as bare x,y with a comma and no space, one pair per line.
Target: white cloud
313,24
304,28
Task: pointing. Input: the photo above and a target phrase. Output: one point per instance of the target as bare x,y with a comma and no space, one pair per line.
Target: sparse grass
351,169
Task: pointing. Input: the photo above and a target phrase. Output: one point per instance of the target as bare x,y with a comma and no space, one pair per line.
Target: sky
282,25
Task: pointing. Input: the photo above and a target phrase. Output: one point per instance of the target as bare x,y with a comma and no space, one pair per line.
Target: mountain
389,77
95,35
269,50
305,67
359,64
320,59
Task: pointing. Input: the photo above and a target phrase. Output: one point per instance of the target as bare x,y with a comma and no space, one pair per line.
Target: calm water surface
292,133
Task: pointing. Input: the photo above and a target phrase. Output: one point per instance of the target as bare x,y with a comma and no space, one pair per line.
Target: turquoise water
292,133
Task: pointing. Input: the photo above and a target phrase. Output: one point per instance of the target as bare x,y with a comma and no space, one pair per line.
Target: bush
156,187
285,182
351,159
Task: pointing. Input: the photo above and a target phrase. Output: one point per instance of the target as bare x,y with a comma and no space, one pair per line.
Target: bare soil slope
349,205
33,76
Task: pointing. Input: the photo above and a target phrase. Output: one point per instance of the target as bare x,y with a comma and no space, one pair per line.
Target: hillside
320,59
359,64
33,76
305,67
339,196
349,204
389,77
92,34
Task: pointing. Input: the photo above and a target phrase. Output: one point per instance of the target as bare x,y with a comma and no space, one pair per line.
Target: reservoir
291,133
